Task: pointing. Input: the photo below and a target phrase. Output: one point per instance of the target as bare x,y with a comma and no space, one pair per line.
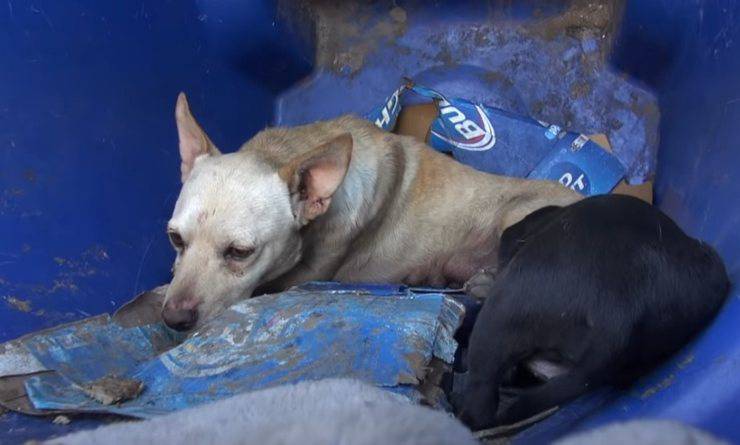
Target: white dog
335,200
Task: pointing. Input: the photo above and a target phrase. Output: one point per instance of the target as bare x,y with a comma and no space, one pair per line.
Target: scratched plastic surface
487,52
383,335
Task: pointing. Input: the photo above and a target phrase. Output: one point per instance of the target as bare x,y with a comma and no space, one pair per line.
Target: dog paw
480,285
511,414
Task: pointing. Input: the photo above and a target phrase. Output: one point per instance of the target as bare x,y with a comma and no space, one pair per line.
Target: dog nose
179,319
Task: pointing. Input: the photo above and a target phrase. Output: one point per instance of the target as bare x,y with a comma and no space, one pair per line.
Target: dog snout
180,318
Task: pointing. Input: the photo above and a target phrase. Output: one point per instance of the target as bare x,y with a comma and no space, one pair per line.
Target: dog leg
478,403
492,354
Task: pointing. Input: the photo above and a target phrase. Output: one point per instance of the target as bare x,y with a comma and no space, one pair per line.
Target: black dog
606,287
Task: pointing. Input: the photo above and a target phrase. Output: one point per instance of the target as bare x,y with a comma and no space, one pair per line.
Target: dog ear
314,177
194,142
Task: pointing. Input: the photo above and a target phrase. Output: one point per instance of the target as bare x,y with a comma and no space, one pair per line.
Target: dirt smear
346,32
660,386
111,390
582,16
18,304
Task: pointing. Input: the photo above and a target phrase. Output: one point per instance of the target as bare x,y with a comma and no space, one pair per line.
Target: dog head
237,221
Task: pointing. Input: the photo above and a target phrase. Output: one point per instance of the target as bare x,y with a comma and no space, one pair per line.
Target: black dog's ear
314,177
194,142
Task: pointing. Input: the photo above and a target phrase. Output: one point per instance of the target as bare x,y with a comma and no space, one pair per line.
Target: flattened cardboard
416,120
642,191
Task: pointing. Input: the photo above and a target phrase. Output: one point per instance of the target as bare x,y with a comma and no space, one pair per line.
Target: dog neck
359,205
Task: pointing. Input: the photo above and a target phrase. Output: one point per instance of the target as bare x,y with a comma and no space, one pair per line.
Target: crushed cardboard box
416,120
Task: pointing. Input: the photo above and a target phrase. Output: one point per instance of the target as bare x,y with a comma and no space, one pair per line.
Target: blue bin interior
89,167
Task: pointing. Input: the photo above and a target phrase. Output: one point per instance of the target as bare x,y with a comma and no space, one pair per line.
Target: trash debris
17,364
394,337
61,420
524,147
111,389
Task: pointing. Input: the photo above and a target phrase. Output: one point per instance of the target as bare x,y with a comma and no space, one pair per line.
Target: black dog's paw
480,285
474,408
476,423
511,414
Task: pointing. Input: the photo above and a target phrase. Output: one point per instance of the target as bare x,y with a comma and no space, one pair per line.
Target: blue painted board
384,335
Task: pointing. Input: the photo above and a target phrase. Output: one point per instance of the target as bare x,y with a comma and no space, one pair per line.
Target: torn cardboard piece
18,364
642,191
13,396
144,309
392,336
416,120
110,389
496,141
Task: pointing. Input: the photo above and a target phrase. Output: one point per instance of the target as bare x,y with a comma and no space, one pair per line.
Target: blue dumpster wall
688,52
89,163
88,148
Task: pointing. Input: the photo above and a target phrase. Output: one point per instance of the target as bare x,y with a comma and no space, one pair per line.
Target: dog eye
176,240
238,253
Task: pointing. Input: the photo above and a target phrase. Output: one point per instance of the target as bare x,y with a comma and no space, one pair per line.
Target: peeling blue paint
386,335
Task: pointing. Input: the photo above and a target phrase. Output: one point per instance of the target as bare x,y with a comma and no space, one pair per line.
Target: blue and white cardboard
580,164
496,141
385,116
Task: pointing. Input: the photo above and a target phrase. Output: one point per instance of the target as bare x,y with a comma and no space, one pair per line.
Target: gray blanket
333,411
343,411
643,432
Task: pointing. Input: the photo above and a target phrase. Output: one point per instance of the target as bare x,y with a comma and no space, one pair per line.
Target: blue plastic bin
89,167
